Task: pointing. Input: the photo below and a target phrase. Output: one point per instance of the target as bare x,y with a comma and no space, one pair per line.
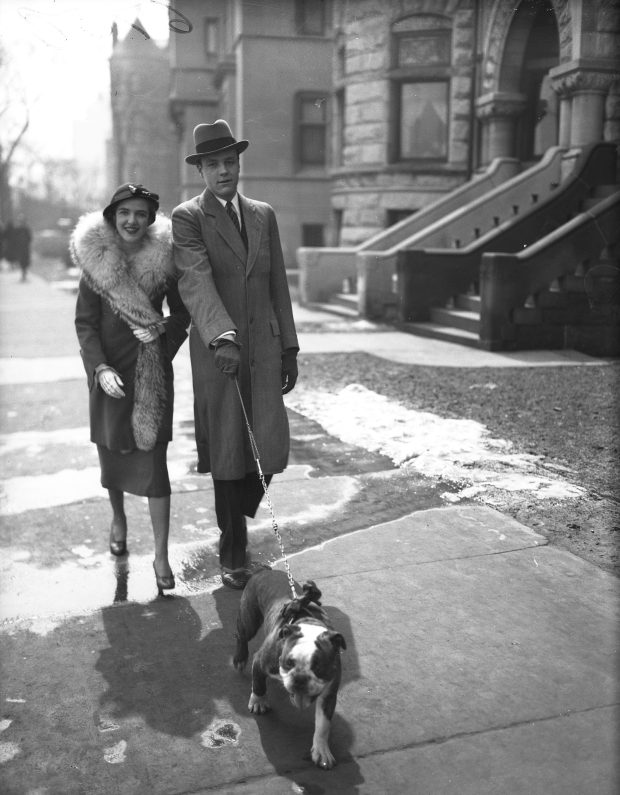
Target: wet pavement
479,660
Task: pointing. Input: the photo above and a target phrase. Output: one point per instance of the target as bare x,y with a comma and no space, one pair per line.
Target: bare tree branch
15,143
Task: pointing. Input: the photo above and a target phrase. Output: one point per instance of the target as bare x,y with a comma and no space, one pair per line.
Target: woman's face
132,219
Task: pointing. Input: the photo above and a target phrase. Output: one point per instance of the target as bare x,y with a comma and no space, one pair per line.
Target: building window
423,128
420,78
313,235
211,30
311,129
338,122
338,219
310,17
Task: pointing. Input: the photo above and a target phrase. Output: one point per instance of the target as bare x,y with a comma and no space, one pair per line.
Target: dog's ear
311,592
337,640
289,629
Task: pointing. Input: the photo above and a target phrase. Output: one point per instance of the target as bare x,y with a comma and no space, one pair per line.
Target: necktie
232,213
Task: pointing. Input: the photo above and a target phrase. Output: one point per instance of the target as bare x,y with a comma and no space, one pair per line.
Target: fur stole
128,283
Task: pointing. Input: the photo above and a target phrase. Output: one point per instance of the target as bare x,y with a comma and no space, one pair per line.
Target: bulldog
300,649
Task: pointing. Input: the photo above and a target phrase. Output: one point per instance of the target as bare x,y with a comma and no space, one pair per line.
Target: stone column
498,112
584,85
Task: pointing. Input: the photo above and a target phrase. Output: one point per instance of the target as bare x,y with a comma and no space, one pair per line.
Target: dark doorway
532,49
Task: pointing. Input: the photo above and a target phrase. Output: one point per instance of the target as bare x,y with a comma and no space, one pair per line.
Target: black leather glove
289,369
227,357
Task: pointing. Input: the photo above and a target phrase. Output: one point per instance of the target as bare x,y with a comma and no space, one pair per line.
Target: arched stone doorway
532,49
519,111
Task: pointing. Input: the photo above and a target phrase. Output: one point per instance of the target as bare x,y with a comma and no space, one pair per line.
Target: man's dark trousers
234,500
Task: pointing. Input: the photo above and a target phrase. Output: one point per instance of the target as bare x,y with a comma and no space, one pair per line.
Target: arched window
420,88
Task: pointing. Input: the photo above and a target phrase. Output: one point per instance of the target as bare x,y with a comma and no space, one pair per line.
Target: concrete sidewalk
483,662
479,660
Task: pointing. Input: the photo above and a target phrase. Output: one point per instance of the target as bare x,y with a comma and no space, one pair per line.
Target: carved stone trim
498,104
590,76
497,34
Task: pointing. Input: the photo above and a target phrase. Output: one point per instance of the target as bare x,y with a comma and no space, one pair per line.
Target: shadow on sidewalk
157,666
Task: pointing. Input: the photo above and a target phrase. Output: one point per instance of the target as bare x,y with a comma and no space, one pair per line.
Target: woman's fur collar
127,282
100,256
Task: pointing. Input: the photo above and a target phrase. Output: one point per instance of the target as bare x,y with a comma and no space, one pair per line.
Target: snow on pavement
459,451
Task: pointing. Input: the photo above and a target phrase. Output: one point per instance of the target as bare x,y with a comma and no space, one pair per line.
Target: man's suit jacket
224,287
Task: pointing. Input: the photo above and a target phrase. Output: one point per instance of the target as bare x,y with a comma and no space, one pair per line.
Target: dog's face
308,660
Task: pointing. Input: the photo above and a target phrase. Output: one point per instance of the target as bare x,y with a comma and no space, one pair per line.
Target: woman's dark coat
106,338
226,287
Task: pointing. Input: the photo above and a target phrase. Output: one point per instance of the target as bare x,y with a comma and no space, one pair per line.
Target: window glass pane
312,145
310,16
426,50
424,120
210,30
312,110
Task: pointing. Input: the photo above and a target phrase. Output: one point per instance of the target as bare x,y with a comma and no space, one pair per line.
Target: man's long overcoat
226,288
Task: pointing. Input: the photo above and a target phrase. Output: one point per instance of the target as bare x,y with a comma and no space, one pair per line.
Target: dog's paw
239,663
322,756
258,704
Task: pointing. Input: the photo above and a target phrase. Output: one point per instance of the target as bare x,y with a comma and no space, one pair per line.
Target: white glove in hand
146,334
111,383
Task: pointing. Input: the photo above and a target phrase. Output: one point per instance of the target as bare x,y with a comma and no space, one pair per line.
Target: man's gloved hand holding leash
289,369
228,359
227,355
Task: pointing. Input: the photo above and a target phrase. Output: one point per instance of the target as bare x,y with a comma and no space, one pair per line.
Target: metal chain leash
274,524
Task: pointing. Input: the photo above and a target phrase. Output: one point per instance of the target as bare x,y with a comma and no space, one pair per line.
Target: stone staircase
459,320
343,305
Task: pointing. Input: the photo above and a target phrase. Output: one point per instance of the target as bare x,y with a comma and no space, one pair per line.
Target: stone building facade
144,143
427,92
267,69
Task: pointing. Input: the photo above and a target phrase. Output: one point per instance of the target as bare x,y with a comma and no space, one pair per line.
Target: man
233,282
17,245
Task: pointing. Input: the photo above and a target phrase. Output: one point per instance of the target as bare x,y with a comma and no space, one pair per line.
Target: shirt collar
234,201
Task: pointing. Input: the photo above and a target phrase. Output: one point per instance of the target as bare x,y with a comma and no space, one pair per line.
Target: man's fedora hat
129,190
212,138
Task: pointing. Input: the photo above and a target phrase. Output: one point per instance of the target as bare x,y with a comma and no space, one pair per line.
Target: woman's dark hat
129,190
211,138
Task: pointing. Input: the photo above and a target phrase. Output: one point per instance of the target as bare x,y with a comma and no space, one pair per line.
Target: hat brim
110,211
239,147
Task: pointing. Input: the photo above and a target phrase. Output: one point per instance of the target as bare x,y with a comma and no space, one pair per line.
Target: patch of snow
455,450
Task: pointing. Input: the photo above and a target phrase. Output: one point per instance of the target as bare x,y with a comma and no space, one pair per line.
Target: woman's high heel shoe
163,583
117,548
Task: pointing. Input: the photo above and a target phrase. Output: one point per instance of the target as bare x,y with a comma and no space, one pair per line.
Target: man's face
220,172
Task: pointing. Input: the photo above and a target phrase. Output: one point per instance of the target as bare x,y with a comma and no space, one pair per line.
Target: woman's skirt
141,472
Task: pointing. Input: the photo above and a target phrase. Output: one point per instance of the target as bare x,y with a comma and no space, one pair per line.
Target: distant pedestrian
127,346
2,239
17,240
233,281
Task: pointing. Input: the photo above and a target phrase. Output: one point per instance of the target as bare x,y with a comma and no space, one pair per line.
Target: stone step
347,300
439,332
335,309
292,276
471,303
462,319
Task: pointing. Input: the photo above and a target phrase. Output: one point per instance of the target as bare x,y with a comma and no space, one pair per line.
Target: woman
127,346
